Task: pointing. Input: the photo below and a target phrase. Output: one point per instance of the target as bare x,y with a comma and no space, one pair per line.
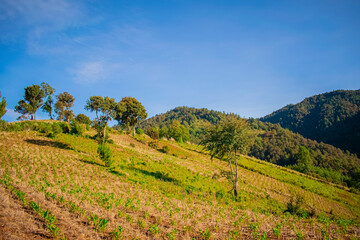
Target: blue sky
246,57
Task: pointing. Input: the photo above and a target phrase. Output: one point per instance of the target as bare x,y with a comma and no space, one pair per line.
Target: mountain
332,118
272,143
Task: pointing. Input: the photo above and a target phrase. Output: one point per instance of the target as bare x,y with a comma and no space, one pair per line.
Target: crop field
59,188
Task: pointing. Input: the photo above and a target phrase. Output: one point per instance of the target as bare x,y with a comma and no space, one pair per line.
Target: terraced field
59,188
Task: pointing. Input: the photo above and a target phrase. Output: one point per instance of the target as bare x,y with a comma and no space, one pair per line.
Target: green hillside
332,118
272,143
57,188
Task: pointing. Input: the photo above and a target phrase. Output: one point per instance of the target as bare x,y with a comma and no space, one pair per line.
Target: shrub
82,118
76,128
3,125
139,131
165,149
153,144
64,127
105,154
153,133
294,206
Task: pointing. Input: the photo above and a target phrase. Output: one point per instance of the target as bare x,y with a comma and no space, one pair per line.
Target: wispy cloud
89,72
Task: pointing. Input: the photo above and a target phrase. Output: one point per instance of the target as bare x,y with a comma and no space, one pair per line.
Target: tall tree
48,105
129,112
105,111
227,140
2,106
63,106
33,99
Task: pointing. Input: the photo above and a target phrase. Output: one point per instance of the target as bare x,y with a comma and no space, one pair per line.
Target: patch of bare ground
18,222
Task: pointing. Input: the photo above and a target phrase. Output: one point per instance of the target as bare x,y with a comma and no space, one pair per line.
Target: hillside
331,118
58,188
272,143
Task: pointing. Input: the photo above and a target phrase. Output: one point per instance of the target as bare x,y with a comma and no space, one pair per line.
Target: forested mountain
272,143
332,117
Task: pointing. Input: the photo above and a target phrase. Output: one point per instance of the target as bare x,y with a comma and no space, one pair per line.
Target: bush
64,127
153,144
55,130
82,118
153,133
3,125
76,128
105,154
165,149
139,131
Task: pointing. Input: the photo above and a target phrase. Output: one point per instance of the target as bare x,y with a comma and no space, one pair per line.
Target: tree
82,118
228,139
24,109
33,99
304,160
2,106
48,105
105,106
153,132
63,106
129,112
178,131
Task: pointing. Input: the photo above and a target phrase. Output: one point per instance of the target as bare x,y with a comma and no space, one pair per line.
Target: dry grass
70,180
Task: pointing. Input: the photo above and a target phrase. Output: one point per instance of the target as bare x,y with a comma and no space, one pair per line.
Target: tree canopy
129,112
63,106
2,106
33,99
105,111
48,104
227,140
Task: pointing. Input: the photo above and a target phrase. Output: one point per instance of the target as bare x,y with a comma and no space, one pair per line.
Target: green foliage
48,105
139,131
331,117
304,160
77,128
153,144
165,149
179,132
105,111
294,206
63,106
153,132
105,154
64,127
129,112
82,118
2,106
226,140
33,99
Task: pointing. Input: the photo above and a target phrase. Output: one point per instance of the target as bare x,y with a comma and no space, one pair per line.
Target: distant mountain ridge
272,143
332,118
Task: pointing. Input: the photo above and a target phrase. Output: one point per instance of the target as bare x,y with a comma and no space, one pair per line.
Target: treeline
272,143
333,118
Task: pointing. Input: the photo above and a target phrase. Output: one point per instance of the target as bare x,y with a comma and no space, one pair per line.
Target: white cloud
89,72
11,113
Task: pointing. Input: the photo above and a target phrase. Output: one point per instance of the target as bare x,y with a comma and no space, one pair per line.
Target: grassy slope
182,194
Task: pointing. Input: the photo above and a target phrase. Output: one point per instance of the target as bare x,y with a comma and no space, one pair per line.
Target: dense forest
332,118
272,143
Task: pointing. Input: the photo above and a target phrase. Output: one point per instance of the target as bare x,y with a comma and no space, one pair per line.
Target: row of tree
34,99
128,112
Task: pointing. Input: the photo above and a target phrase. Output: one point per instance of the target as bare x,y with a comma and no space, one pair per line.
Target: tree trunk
104,132
236,176
134,130
34,115
51,116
